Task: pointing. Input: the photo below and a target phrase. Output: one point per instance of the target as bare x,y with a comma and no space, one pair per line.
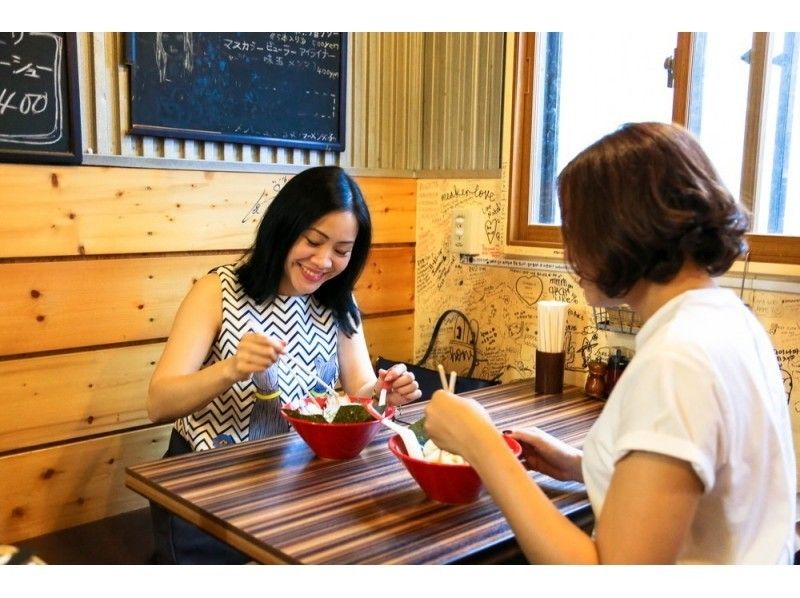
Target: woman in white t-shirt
691,460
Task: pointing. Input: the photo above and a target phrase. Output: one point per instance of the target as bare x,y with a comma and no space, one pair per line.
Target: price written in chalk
29,103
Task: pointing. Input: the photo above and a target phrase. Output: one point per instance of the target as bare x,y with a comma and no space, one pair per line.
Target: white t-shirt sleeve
681,417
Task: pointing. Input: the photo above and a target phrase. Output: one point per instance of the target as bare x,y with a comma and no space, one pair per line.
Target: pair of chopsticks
295,364
451,385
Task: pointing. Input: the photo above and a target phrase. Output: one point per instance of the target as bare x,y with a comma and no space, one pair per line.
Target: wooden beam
73,395
60,305
390,336
91,210
62,397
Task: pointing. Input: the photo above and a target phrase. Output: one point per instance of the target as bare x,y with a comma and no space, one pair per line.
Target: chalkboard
278,89
39,100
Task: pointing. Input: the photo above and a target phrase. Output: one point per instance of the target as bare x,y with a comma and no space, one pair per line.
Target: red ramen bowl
337,440
445,482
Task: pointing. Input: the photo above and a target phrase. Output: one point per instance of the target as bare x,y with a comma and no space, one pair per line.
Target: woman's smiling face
320,253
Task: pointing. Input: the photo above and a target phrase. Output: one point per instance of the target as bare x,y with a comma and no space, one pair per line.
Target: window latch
669,66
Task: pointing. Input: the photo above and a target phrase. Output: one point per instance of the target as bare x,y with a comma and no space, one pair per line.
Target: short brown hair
642,200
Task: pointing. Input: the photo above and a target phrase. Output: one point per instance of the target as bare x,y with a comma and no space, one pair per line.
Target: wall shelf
617,319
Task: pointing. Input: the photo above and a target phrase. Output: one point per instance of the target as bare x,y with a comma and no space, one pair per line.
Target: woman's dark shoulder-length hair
639,202
307,197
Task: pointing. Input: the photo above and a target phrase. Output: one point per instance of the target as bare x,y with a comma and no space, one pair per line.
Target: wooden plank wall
94,262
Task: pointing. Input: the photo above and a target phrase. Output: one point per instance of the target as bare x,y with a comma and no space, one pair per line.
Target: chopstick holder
550,358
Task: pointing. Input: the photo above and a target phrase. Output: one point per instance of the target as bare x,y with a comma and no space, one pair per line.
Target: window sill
766,250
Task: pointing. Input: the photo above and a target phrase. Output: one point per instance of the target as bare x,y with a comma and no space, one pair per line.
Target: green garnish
379,408
309,418
350,414
418,427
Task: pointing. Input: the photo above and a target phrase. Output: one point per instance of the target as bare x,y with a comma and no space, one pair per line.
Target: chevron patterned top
310,332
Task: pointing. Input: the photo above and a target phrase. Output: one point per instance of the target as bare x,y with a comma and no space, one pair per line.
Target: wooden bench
125,539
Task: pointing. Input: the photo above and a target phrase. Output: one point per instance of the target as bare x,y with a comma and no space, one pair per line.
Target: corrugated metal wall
417,102
386,86
463,98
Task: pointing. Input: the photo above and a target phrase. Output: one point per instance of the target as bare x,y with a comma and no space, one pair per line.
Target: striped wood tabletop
275,501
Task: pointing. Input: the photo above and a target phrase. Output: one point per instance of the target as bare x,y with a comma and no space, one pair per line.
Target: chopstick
303,368
443,377
449,386
382,397
292,361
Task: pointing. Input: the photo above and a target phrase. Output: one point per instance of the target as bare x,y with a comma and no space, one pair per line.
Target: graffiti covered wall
500,299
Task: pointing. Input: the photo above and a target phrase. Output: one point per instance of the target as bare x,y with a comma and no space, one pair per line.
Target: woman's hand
255,353
403,388
456,424
549,455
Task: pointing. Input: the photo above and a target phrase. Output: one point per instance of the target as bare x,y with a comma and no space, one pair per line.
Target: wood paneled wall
94,262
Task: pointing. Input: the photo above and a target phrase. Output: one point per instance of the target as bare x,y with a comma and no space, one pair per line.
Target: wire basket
617,319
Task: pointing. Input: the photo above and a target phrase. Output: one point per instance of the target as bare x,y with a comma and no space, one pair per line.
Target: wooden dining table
275,501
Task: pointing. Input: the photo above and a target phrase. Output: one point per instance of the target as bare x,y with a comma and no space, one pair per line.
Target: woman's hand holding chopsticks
401,383
255,353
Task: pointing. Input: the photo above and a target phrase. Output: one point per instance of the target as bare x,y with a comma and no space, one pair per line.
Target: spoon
407,436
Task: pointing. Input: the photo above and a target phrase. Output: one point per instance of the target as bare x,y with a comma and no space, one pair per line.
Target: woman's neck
647,297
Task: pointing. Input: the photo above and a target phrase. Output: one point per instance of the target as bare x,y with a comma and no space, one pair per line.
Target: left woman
221,377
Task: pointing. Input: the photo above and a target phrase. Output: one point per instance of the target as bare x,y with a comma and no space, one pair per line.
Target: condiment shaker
616,364
596,381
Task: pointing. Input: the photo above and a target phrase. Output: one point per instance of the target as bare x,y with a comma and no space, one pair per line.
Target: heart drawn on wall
490,226
529,289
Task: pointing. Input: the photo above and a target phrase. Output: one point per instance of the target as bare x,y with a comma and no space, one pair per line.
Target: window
776,191
735,91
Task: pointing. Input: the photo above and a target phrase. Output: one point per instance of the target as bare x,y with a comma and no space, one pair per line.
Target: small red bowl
445,482
337,441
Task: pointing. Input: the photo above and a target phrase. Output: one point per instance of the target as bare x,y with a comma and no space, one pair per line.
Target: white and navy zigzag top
310,332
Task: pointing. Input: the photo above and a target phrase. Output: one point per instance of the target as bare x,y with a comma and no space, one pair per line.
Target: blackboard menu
279,89
39,101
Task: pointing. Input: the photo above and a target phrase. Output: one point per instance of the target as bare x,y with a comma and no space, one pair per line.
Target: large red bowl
445,482
337,441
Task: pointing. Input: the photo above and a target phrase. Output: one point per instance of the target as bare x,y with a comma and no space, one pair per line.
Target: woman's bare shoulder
206,290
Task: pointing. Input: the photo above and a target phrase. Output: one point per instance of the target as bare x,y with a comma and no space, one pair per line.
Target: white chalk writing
30,88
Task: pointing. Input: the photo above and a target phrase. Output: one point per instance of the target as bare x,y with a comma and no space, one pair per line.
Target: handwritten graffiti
266,197
491,226
580,348
787,386
529,289
474,192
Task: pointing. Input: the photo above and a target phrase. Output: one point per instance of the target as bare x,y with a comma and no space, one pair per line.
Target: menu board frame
280,89
67,149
